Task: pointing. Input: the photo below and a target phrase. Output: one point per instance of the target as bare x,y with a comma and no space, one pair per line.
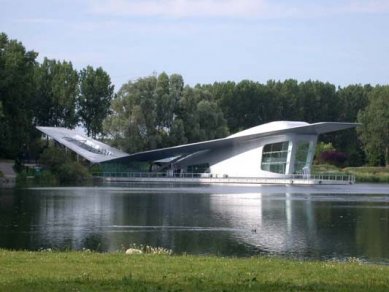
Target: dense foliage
94,101
374,131
160,110
61,165
52,93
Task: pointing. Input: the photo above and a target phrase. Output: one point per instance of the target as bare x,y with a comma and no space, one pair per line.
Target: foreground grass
82,271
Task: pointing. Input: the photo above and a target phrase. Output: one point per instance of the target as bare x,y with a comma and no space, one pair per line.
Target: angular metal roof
96,151
92,150
255,133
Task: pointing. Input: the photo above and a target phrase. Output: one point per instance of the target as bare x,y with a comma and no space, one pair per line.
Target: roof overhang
97,152
90,149
299,128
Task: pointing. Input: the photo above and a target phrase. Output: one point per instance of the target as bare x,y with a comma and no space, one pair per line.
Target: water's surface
314,222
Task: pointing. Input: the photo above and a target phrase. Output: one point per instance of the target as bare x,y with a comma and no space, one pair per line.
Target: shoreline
355,189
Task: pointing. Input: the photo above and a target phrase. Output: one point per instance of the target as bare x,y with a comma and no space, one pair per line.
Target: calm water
310,222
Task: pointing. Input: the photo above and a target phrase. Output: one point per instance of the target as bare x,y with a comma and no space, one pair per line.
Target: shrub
72,172
61,165
333,157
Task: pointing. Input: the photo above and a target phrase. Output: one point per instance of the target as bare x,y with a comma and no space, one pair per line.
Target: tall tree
165,103
56,94
96,93
352,99
374,131
133,119
16,95
319,101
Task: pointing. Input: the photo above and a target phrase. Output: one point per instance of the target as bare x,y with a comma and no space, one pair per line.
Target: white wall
244,160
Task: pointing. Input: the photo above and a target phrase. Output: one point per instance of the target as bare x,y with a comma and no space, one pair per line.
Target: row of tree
51,93
160,110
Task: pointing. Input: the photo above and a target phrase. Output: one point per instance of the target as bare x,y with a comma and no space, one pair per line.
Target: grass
88,271
362,174
369,174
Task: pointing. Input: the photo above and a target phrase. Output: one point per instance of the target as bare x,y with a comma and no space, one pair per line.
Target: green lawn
86,271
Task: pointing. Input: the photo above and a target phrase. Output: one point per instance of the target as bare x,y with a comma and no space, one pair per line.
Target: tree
211,120
165,103
253,105
287,101
374,131
56,94
96,93
145,113
132,123
352,99
201,116
16,95
319,101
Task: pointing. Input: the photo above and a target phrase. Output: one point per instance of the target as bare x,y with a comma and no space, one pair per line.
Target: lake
316,222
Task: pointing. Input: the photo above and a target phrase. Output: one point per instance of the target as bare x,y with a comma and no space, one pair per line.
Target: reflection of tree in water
372,230
181,222
197,223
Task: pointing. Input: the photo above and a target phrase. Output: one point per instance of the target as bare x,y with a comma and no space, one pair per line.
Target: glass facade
198,168
301,157
274,157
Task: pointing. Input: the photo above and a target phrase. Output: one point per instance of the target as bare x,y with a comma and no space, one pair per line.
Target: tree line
161,110
50,93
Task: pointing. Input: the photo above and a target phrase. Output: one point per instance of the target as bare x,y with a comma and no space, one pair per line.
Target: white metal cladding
237,140
90,149
233,150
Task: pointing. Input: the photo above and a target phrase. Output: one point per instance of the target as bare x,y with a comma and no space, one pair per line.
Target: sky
338,41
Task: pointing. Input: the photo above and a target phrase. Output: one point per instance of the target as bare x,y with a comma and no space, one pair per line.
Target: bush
62,167
46,178
53,158
333,157
96,168
72,172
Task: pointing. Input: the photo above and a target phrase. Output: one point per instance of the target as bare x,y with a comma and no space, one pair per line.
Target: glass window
301,157
274,157
199,168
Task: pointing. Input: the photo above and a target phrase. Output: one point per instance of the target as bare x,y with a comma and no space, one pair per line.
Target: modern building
275,150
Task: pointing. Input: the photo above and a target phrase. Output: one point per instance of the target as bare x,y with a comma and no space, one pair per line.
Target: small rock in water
133,251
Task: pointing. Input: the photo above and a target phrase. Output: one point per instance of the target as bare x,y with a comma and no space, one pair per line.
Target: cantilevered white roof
269,127
255,133
92,150
96,151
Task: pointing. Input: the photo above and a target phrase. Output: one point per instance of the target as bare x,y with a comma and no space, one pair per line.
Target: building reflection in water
272,222
108,219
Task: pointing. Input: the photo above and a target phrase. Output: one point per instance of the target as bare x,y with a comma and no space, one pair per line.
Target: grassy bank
369,174
362,174
84,271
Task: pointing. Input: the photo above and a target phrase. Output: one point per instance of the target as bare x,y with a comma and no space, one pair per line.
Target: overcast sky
340,41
